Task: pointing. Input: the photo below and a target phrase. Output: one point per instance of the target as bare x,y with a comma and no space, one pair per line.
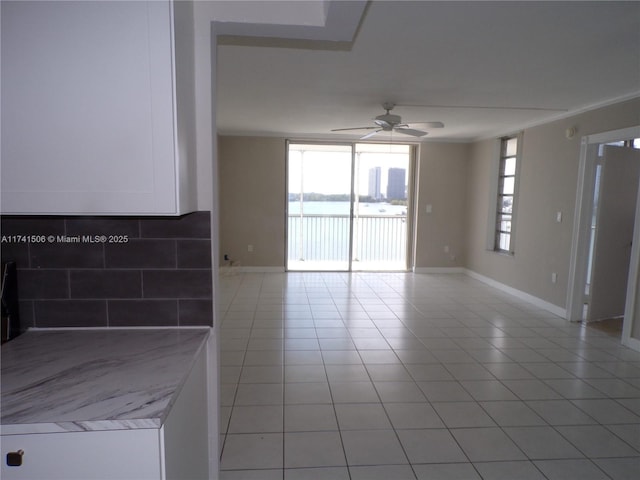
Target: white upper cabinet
97,108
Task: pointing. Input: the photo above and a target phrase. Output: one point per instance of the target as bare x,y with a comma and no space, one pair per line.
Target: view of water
342,208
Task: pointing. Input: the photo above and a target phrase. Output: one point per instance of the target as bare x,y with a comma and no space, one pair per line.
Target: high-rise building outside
375,180
396,184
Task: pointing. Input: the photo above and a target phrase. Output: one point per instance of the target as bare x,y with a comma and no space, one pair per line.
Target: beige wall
456,180
548,182
442,183
252,200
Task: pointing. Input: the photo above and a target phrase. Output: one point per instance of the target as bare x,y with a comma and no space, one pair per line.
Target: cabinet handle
14,459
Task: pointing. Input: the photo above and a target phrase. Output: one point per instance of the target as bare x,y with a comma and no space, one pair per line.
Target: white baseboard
559,311
538,302
439,270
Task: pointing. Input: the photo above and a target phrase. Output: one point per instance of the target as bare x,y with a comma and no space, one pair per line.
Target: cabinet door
108,455
88,108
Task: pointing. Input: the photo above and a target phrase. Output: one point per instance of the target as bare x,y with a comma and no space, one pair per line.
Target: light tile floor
396,376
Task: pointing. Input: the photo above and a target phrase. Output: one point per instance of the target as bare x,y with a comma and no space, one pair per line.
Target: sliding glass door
381,207
319,207
348,206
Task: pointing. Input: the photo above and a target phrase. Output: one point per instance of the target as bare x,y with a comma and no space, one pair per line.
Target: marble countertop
62,380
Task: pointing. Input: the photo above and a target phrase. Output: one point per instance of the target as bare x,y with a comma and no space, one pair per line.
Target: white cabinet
97,108
113,455
179,450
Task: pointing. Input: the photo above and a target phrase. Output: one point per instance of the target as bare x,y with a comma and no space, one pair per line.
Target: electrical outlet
554,277
446,249
249,248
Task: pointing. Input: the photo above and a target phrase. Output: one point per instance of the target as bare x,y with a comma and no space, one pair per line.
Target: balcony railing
377,239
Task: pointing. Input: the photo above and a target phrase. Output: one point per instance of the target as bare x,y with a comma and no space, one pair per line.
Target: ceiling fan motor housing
387,121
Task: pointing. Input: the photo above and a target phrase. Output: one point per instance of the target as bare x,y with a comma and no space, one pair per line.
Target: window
506,194
633,143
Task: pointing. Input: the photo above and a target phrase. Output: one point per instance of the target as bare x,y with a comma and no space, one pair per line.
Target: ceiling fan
392,123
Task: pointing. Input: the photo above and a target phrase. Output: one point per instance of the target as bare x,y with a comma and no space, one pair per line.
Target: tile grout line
588,359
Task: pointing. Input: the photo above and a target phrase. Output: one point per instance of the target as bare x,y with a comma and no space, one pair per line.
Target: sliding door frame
411,198
412,207
288,143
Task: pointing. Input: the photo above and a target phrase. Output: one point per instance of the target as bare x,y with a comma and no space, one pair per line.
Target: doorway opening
601,263
348,206
614,205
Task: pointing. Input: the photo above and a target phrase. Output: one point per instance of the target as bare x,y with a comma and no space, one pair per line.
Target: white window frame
493,230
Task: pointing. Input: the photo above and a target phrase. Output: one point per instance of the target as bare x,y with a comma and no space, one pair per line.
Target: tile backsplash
111,271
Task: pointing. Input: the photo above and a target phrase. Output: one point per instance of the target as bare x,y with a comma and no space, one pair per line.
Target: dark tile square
43,284
193,284
15,252
67,255
195,312
105,284
141,253
70,313
138,313
32,225
25,311
194,253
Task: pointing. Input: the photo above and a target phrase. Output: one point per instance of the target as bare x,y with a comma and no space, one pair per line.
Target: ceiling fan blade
354,128
370,134
383,124
429,124
410,131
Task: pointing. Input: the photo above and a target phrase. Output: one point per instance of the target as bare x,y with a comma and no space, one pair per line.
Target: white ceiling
532,61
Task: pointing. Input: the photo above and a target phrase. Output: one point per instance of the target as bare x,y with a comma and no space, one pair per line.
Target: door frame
582,229
631,310
412,181
288,143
